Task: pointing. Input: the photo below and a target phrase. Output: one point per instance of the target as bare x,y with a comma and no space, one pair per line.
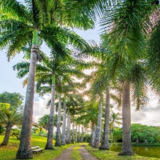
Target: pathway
86,155
66,154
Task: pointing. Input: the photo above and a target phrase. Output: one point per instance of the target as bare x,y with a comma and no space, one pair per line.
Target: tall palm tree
28,22
124,30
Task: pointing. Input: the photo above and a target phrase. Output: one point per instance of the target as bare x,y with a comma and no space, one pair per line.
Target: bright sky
10,83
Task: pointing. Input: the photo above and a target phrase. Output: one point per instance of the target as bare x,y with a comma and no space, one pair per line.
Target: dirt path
86,155
66,154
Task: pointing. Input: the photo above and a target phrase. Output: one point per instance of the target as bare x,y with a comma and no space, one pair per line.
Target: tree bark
73,131
76,133
58,133
7,134
93,135
126,121
24,151
82,135
49,144
64,124
68,129
105,139
98,129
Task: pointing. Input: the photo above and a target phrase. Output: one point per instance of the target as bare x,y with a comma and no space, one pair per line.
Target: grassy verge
110,155
75,154
138,144
9,152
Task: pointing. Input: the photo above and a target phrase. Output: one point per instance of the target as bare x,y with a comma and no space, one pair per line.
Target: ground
80,151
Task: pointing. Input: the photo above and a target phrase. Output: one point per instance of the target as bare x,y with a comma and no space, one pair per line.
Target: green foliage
140,134
1,129
16,133
14,99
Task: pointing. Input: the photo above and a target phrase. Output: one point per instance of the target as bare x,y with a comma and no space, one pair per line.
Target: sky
9,82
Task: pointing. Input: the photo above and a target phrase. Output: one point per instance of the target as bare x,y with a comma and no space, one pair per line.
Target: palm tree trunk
126,121
98,129
76,134
49,144
64,124
82,135
73,131
68,129
105,139
24,150
7,134
93,135
58,134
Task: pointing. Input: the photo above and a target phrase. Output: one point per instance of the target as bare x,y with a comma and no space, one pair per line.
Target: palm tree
9,116
125,32
28,22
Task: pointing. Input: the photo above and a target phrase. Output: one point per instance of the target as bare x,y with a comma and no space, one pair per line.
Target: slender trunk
126,121
90,143
64,124
24,150
93,135
105,139
68,130
82,135
7,134
49,144
76,133
73,131
98,129
58,134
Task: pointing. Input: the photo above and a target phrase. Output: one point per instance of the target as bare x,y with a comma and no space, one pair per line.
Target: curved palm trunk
126,116
105,139
24,150
58,133
68,129
49,144
7,134
98,129
64,124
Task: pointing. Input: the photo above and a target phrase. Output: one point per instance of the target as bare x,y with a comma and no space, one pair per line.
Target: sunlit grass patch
110,155
9,152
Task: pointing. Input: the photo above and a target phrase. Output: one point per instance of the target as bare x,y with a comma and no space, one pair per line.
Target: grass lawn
111,155
9,152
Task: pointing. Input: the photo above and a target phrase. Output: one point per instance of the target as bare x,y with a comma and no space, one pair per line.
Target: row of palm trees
121,65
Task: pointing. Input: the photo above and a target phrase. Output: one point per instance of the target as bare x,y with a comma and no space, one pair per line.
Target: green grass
9,152
110,155
75,154
138,144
